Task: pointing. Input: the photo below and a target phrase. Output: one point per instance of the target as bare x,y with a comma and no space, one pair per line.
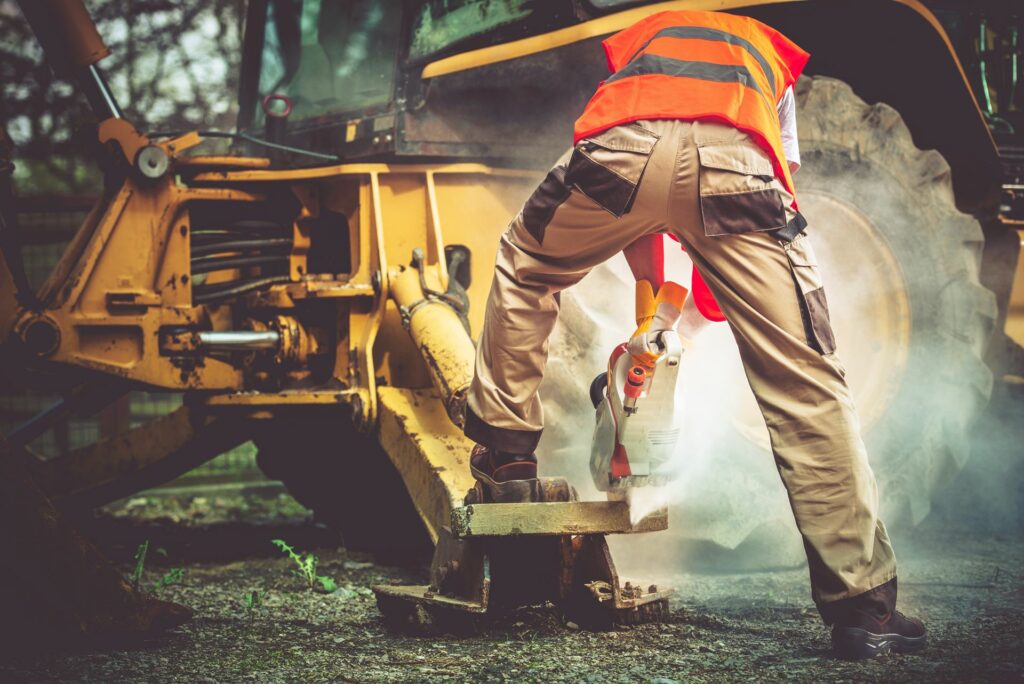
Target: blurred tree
173,65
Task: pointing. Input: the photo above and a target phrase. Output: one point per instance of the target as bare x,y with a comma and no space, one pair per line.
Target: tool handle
635,380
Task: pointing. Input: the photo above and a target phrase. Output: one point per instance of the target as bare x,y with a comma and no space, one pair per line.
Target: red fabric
704,300
659,96
706,303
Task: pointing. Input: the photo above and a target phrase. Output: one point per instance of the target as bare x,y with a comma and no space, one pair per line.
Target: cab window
330,56
439,24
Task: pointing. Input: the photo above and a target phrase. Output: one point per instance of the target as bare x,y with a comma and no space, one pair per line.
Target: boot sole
511,491
852,643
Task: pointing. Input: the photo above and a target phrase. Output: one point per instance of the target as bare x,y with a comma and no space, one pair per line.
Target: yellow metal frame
126,275
402,361
429,452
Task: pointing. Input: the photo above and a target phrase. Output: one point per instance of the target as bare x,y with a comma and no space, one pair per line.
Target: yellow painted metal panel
1015,313
351,170
430,453
474,210
568,517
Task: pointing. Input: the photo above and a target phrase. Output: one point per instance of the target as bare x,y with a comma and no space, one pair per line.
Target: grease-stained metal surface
142,273
438,333
430,453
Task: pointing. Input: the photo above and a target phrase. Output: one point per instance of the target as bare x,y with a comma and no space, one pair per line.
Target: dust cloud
725,488
727,506
907,335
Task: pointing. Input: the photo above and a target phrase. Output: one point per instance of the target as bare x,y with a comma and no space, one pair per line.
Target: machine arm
73,48
10,245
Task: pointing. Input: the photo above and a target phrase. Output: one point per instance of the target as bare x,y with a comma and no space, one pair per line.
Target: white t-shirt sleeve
787,121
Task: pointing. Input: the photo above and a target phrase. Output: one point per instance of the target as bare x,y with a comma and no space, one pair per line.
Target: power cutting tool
637,422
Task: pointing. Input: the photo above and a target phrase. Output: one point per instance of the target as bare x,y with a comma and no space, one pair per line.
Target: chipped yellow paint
430,453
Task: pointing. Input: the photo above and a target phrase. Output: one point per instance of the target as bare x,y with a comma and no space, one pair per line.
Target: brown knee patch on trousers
540,207
811,295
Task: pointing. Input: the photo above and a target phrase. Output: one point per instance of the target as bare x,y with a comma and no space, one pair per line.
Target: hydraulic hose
211,296
211,263
240,246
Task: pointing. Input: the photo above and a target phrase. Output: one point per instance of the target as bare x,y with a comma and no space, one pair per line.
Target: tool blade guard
637,424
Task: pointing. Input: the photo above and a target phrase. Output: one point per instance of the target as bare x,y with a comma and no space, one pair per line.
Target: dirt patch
723,627
967,585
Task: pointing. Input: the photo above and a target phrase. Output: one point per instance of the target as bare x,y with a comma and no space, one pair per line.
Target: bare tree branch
173,65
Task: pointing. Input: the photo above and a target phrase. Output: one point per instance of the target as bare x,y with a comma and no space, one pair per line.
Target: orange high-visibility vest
698,65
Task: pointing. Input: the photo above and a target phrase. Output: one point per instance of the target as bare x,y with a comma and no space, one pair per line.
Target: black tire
348,482
863,155
597,388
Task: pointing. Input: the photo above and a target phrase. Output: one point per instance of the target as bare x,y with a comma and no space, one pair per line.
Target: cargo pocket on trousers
811,293
738,190
608,167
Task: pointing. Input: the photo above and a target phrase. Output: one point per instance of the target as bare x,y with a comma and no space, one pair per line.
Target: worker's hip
699,175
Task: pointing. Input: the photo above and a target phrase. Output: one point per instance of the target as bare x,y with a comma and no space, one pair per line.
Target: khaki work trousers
714,188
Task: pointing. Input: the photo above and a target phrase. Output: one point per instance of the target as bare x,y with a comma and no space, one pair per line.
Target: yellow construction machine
318,290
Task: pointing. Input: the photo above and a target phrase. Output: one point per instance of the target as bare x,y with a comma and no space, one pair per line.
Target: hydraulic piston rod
98,93
283,338
73,48
239,340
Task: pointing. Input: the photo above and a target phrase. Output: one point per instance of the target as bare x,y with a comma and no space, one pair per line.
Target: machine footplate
418,611
560,518
476,577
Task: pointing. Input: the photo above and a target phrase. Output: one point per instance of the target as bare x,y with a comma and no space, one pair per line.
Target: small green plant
252,601
306,570
140,564
172,576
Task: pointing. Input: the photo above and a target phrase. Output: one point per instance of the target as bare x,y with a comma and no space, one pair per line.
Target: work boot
868,624
503,477
862,635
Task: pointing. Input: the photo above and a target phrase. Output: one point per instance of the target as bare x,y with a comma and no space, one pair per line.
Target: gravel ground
962,571
724,627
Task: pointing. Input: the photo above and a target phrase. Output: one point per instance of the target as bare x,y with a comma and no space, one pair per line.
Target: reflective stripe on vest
731,69
702,33
646,65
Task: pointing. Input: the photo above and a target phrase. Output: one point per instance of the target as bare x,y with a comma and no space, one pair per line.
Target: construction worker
684,136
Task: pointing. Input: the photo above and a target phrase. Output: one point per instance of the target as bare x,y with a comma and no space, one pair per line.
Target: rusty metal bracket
497,557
